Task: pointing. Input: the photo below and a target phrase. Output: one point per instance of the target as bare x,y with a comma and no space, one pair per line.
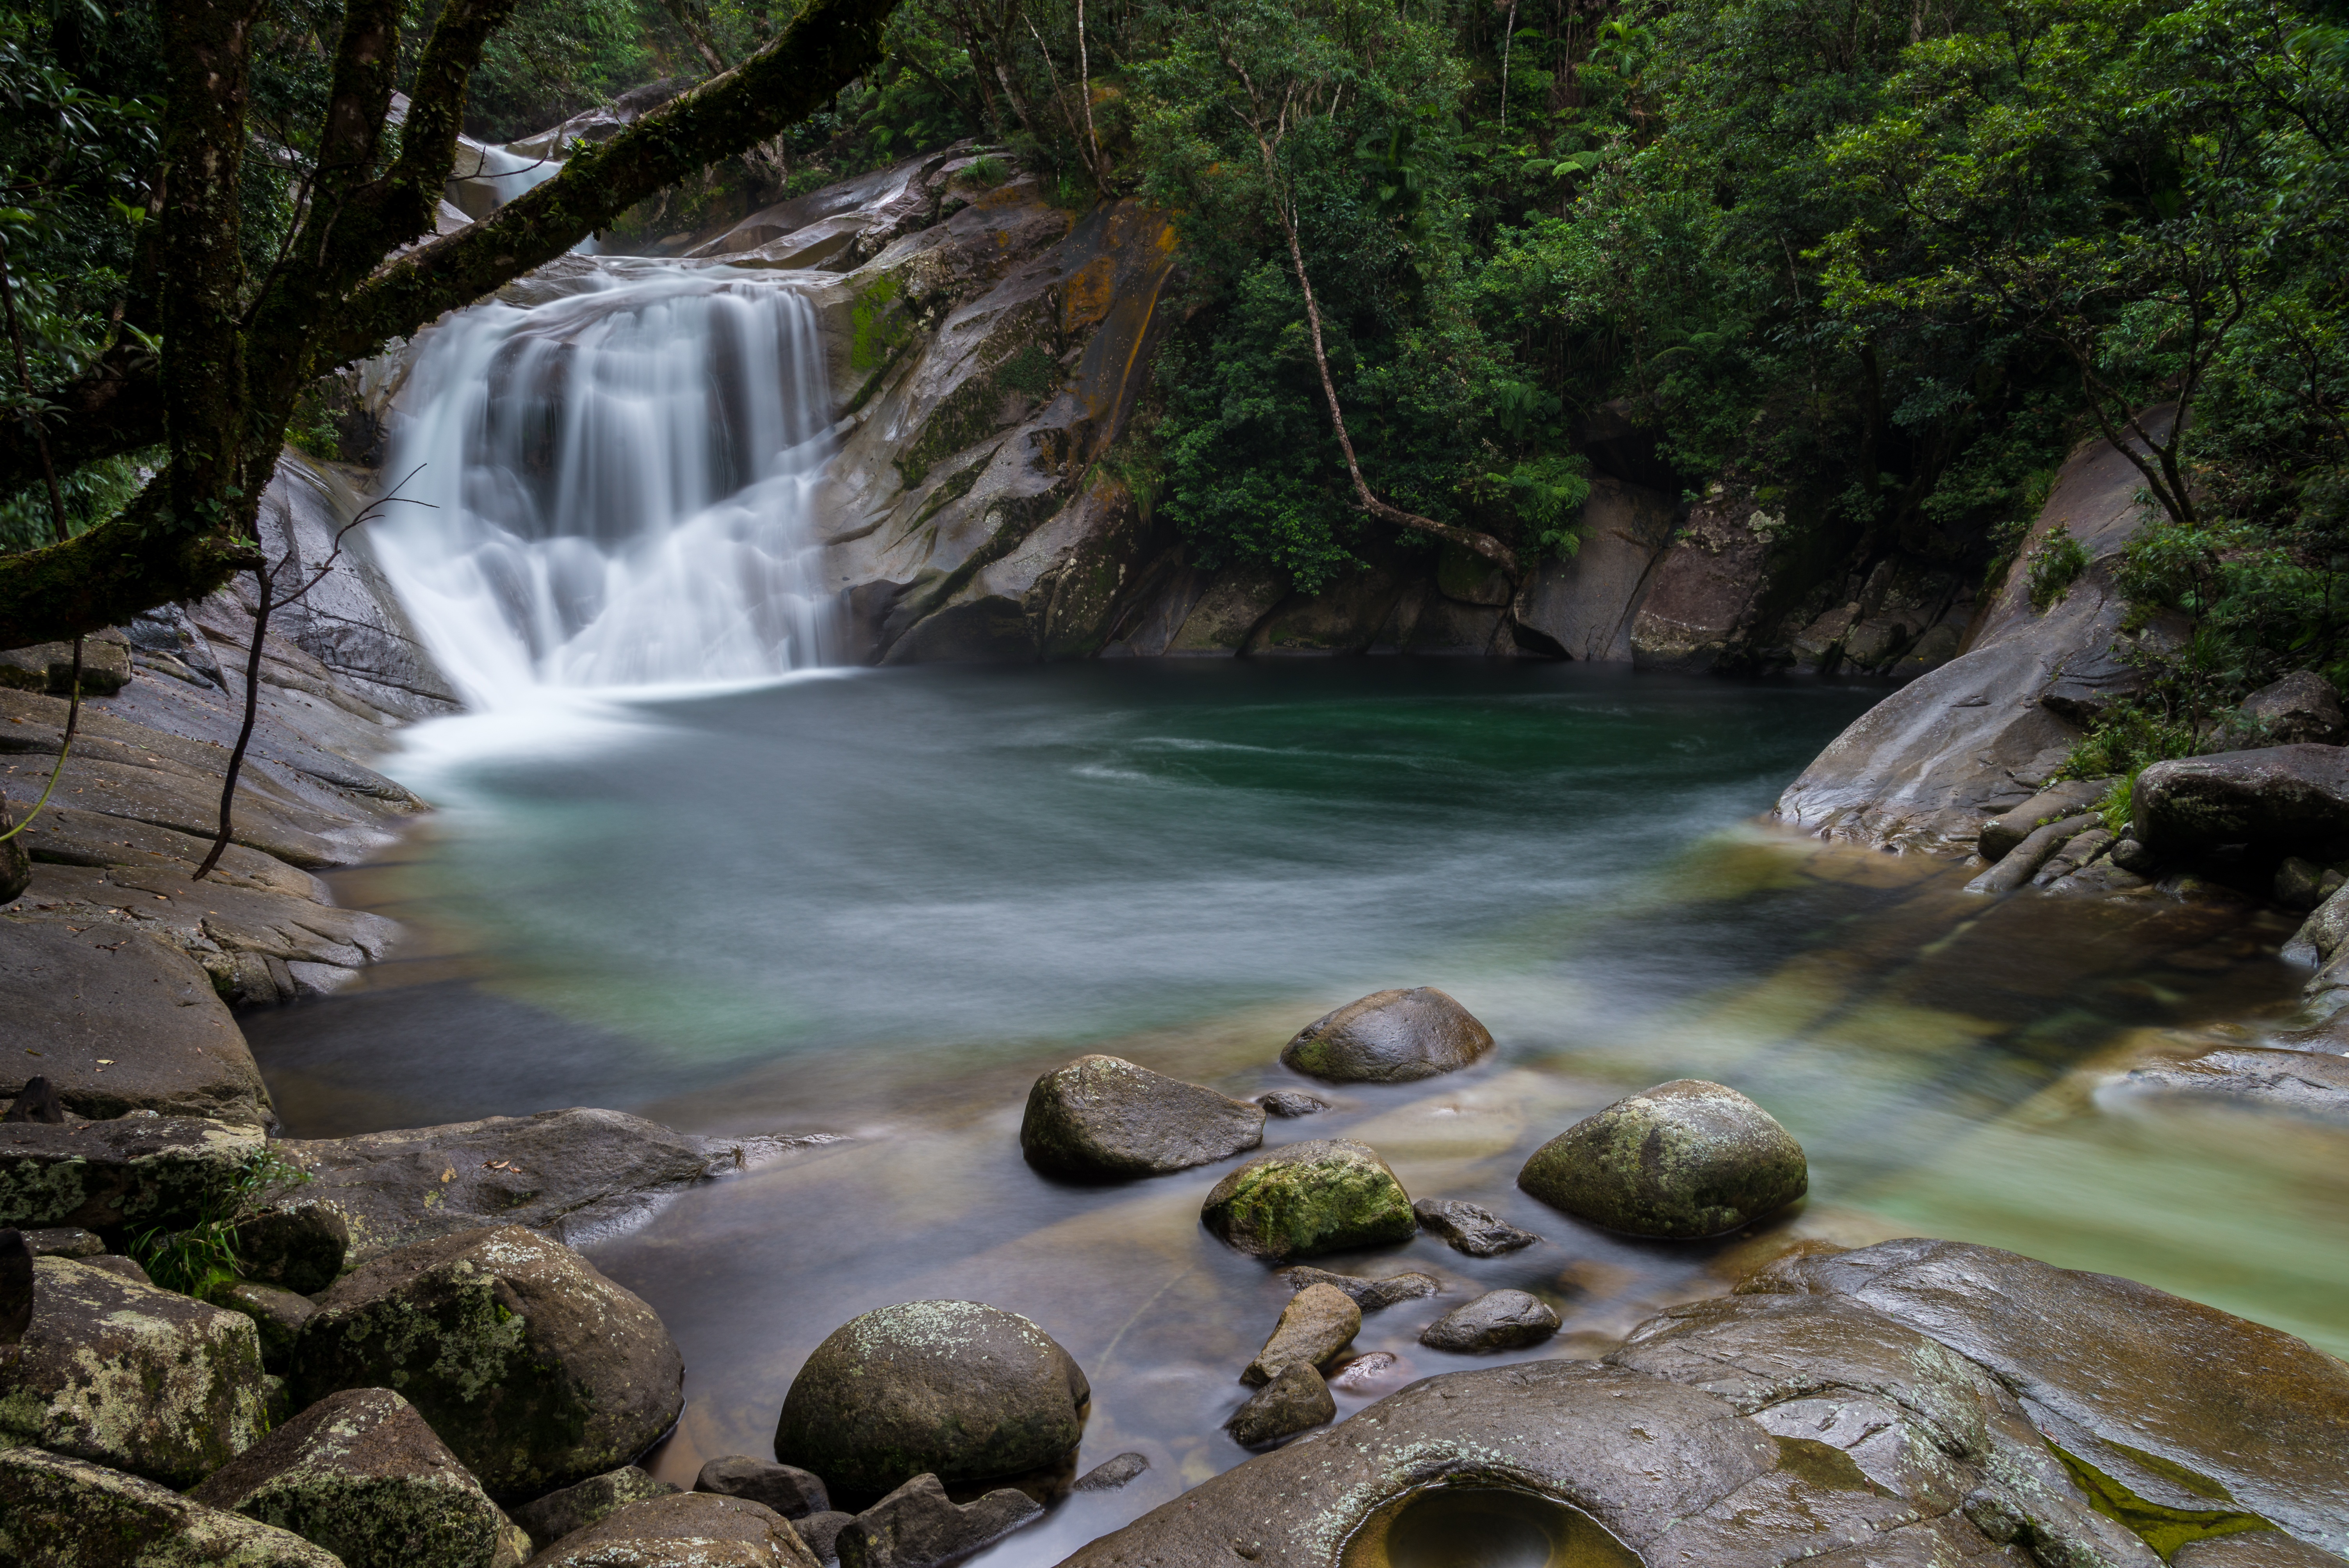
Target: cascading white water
616,483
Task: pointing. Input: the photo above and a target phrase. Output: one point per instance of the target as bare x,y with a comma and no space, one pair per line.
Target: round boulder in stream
1390,1037
1105,1118
1321,1196
956,1389
1686,1158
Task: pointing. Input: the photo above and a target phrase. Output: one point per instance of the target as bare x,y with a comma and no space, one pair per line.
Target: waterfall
615,481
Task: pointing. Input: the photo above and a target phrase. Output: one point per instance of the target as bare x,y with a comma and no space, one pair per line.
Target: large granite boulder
534,1369
682,1530
956,1389
2301,707
917,1526
1102,1117
133,1377
1390,1037
2282,797
1686,1158
574,1174
131,1172
118,1022
61,1512
1325,1195
360,1474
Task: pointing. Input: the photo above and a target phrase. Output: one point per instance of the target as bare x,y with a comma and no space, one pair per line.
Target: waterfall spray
616,483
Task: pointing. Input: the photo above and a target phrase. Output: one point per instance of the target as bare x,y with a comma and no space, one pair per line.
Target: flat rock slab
535,1369
1390,1037
134,1171
574,1174
697,1528
1102,1118
360,1474
2282,796
2308,1083
2109,1369
1370,1295
61,1512
120,1022
133,1377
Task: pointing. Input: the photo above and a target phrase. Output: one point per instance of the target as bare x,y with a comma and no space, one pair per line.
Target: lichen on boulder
1320,1196
133,1377
62,1512
362,1475
535,1369
1686,1158
699,1529
956,1389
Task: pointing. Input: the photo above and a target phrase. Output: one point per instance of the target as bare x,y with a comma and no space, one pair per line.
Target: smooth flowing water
877,904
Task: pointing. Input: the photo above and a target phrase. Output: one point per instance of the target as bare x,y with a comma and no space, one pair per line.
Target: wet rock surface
787,1490
1295,1401
1291,1103
2285,795
697,1528
916,1526
953,1388
1470,1229
133,1377
2308,1083
1685,1159
534,1369
1498,1320
2002,832
360,1474
1102,1118
1370,1295
61,1512
1111,1473
573,1174
1318,1196
1390,1037
1318,1321
576,1507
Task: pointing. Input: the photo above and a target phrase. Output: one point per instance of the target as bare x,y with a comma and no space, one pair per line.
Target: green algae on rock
133,1377
1320,1196
62,1512
1685,1160
1390,1037
1104,1116
362,1475
136,1171
535,1369
957,1389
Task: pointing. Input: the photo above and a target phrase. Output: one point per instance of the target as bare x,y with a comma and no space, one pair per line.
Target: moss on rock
1316,1197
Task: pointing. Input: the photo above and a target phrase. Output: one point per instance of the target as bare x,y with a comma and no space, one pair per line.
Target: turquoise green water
877,905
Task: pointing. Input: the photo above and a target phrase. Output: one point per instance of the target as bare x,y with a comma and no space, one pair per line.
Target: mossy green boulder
1684,1160
958,1389
61,1512
133,1377
360,1474
534,1369
1323,1196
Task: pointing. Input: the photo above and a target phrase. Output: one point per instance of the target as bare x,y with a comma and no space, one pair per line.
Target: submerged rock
1289,1103
1500,1320
1470,1229
1321,1196
576,1507
1102,1117
1686,1158
682,1530
954,1388
787,1488
62,1512
2309,1083
535,1369
1390,1037
1370,1295
1318,1321
2283,796
133,1377
1112,1473
361,1475
1295,1401
917,1527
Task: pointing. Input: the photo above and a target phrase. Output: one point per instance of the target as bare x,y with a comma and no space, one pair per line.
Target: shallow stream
877,904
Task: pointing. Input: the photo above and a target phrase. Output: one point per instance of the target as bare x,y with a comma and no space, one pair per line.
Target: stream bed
876,904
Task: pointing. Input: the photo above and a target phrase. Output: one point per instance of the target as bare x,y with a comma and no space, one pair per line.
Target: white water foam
616,483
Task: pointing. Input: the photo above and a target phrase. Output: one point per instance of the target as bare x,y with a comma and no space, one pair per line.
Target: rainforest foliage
1877,265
